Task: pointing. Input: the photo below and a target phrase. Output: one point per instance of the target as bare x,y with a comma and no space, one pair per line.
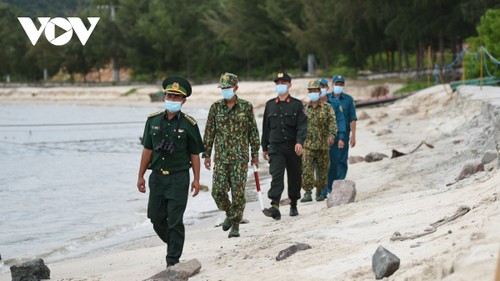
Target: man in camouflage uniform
231,128
172,144
321,130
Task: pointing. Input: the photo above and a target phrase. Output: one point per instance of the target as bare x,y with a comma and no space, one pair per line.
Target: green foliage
255,39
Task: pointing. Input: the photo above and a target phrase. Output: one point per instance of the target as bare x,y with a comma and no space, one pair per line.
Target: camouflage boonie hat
228,80
314,84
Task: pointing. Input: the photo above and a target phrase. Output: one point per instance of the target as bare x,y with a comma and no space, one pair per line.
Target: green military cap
227,80
338,78
282,76
177,85
314,84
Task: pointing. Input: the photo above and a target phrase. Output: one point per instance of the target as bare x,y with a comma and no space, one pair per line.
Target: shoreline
404,194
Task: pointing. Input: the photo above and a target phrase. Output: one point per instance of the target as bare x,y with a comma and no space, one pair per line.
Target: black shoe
293,211
272,212
170,264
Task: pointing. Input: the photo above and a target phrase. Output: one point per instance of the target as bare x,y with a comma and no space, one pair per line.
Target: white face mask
323,92
314,96
338,90
281,89
173,106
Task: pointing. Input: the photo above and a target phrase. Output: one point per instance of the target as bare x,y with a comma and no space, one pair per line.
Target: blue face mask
173,106
314,96
338,90
281,89
323,92
227,93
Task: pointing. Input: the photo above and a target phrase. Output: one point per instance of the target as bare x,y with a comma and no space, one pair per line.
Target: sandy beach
404,194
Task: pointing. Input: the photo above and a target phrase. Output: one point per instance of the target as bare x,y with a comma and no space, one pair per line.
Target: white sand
404,194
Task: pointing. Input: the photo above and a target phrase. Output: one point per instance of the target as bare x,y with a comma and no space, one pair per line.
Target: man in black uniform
284,131
172,144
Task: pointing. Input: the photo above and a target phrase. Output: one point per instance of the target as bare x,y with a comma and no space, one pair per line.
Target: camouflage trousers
230,177
312,160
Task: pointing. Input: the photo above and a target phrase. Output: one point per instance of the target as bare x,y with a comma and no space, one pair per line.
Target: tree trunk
407,60
380,61
453,48
441,46
373,62
400,57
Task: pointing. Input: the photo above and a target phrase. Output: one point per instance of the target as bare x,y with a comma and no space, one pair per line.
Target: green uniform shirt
284,121
231,132
321,124
187,142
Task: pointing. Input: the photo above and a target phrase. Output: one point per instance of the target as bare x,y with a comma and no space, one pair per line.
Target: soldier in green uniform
172,144
231,129
284,130
321,131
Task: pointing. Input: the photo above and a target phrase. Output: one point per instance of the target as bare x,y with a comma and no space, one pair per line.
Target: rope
462,210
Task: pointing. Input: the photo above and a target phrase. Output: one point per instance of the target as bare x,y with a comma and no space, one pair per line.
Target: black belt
167,173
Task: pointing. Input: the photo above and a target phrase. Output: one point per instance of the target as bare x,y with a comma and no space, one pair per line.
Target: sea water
68,178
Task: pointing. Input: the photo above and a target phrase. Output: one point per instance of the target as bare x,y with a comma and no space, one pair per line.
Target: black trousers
282,157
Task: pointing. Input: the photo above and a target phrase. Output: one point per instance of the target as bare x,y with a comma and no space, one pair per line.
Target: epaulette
155,114
190,119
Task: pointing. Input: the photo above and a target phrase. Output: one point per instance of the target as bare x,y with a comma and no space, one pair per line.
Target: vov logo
49,26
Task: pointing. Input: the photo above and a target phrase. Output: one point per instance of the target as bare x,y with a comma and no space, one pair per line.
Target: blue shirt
348,108
339,115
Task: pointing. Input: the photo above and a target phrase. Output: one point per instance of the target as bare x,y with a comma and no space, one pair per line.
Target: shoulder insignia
190,119
155,114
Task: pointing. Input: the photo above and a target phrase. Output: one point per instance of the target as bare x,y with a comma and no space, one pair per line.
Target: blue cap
323,82
338,78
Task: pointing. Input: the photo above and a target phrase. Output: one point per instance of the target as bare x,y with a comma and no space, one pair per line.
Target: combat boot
319,197
293,210
226,225
235,232
307,197
273,212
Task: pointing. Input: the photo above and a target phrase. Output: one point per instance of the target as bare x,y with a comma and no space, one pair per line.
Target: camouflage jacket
321,123
231,132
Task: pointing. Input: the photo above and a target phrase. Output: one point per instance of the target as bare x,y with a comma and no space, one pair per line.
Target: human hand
195,187
341,143
208,162
330,140
353,141
265,155
141,185
255,161
298,149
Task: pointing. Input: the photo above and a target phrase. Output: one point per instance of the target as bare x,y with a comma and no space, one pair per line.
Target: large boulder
30,271
343,192
384,263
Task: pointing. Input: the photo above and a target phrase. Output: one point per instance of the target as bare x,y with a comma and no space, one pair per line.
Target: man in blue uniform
348,108
339,140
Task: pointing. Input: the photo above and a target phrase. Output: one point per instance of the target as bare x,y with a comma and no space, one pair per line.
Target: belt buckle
165,172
